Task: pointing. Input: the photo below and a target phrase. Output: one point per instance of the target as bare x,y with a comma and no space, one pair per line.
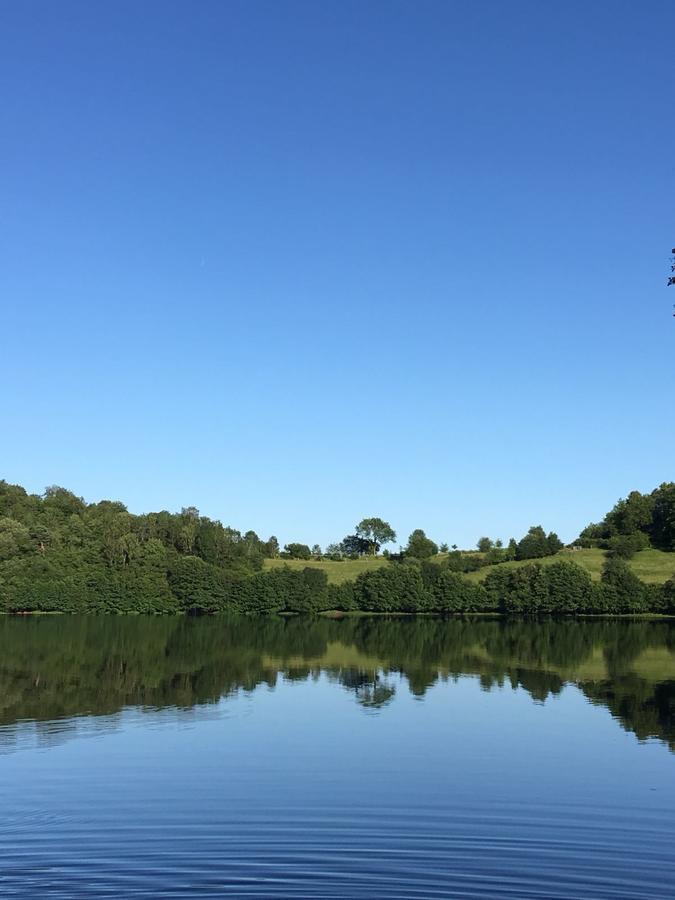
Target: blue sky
299,263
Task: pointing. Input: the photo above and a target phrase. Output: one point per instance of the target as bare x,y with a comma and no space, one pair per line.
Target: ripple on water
351,852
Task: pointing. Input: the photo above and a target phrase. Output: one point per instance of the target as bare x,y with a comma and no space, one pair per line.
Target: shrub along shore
59,554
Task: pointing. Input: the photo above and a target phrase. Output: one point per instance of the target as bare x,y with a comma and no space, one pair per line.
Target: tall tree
376,532
271,547
420,546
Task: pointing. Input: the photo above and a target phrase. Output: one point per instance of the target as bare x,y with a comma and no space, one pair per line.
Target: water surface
315,758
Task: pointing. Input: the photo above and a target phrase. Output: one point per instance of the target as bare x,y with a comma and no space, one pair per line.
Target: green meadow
337,572
652,566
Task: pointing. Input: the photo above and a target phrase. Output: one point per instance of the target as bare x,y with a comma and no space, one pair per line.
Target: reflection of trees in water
646,709
370,688
56,667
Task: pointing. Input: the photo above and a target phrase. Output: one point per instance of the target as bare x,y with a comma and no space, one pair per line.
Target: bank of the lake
61,554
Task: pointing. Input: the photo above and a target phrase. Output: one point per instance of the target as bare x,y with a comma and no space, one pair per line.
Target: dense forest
60,554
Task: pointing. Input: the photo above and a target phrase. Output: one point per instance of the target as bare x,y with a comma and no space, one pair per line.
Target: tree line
636,523
58,553
371,534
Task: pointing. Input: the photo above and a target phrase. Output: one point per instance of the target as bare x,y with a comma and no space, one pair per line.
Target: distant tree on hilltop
376,532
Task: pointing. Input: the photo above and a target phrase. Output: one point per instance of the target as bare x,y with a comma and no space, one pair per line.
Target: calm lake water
366,758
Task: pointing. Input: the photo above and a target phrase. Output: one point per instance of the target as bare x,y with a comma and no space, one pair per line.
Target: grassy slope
337,572
651,565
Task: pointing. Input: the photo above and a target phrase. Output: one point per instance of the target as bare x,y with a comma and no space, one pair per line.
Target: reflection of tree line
59,667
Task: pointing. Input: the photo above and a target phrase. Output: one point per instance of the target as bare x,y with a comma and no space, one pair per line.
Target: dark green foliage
663,517
652,515
270,548
668,596
464,562
623,590
420,546
397,588
626,546
59,554
297,551
559,588
341,596
454,594
553,543
375,532
353,546
537,544
197,585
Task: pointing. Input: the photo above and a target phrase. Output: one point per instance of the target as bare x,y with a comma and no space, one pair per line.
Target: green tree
377,532
662,528
271,548
352,545
622,589
553,543
14,538
627,545
537,544
298,551
419,546
485,544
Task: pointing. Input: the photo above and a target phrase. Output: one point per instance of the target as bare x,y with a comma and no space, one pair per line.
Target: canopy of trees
648,519
420,546
58,553
375,532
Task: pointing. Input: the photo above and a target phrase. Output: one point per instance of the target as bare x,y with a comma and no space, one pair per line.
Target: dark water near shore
366,758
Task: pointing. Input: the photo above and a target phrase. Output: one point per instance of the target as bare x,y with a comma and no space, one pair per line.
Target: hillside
337,572
652,566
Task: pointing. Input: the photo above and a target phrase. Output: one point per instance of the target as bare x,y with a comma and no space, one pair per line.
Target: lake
366,757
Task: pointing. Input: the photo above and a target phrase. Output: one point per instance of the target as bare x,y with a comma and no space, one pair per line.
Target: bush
623,590
392,589
454,594
562,587
298,551
668,596
625,546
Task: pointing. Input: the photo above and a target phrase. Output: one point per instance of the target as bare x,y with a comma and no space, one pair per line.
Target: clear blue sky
297,263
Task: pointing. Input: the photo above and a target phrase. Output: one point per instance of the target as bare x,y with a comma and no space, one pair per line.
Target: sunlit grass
337,572
652,566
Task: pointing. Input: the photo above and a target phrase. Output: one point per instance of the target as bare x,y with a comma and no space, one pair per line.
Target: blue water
322,773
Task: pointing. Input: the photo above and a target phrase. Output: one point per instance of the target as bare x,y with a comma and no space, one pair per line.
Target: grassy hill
337,572
652,566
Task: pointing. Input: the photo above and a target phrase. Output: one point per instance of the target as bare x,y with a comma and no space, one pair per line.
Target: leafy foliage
58,553
420,546
376,532
649,517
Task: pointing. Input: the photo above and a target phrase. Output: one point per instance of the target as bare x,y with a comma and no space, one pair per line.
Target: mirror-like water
356,758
